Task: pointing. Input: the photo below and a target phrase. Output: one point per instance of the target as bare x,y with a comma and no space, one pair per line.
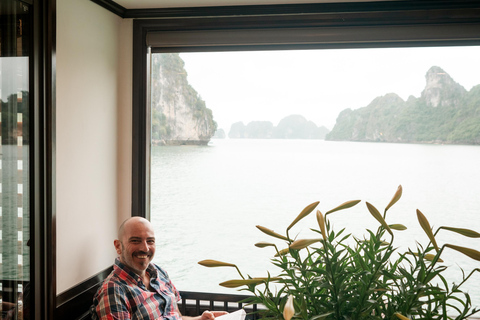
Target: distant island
444,113
290,127
179,115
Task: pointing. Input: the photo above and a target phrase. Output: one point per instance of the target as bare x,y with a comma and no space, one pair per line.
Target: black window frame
380,24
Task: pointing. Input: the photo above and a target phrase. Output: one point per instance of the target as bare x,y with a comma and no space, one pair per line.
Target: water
206,201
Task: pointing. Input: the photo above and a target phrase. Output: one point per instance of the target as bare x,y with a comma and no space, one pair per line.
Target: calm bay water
207,200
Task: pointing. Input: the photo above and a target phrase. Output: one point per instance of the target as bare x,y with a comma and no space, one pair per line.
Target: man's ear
118,246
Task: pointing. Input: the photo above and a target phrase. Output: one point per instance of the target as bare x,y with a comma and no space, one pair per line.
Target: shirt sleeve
112,304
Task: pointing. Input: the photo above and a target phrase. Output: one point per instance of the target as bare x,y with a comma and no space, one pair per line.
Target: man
137,288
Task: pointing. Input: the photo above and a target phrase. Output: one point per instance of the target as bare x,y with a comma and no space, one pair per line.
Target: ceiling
150,4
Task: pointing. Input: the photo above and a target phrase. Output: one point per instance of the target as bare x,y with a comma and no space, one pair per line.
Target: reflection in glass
14,160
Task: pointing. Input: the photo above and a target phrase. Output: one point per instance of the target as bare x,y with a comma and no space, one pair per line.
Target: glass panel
14,160
270,157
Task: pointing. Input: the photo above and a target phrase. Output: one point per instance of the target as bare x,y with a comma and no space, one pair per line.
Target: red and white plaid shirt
124,296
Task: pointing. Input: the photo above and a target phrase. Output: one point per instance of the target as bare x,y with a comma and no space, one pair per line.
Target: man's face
137,245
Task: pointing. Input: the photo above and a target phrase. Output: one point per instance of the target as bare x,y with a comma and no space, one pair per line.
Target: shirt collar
152,271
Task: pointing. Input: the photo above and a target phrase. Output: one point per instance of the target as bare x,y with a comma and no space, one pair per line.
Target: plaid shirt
124,296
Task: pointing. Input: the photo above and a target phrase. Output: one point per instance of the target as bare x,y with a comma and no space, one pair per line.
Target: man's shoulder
114,280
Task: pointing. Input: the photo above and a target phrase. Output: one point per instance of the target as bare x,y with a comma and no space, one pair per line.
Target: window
15,162
206,200
366,26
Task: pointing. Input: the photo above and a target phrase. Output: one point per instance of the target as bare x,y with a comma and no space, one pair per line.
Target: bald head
132,222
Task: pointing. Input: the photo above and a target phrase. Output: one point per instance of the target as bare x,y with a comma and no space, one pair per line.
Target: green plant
340,276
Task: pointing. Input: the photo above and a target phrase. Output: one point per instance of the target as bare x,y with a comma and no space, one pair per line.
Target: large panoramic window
243,118
240,139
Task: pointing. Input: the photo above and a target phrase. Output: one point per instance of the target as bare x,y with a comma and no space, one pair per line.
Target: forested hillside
444,113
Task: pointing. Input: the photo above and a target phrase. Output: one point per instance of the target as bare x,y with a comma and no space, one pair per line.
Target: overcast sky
318,84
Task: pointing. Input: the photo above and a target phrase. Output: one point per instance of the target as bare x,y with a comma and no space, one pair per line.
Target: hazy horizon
317,84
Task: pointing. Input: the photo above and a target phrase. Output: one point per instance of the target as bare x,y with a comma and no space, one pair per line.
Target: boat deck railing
194,303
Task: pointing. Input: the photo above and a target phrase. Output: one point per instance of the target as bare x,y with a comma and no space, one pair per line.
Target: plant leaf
302,243
264,244
464,232
321,316
426,227
305,212
474,254
398,226
376,214
396,197
271,233
241,282
215,263
344,205
321,224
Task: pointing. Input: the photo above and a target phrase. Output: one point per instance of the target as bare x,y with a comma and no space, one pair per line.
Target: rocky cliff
444,113
179,115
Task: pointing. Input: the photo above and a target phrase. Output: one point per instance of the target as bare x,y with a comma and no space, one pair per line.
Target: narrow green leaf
474,254
302,243
321,316
396,197
344,205
398,226
376,214
271,233
426,227
464,232
305,212
241,282
215,263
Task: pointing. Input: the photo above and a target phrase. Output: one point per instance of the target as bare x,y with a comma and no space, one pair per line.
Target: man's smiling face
136,244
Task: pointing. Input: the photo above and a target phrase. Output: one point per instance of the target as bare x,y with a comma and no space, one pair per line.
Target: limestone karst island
179,115
445,113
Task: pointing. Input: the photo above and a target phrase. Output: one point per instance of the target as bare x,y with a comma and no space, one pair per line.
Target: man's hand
206,315
211,315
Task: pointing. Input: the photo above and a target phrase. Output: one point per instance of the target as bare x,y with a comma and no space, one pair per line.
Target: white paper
237,315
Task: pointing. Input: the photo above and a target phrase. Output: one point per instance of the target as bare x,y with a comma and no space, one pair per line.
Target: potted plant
341,276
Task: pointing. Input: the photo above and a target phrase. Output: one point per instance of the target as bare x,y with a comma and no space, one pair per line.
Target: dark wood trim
75,302
42,167
439,11
289,9
112,6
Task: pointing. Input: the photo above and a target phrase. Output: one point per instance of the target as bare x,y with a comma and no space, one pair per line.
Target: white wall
93,137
